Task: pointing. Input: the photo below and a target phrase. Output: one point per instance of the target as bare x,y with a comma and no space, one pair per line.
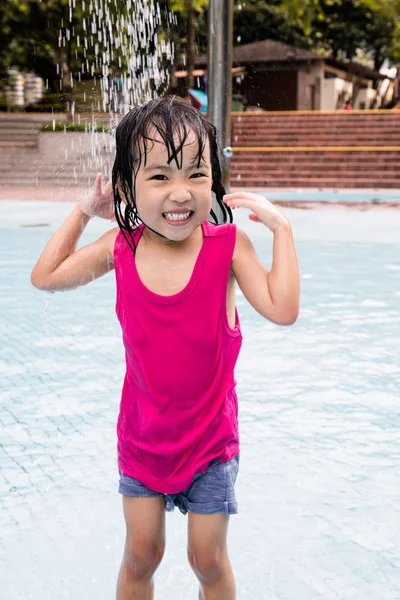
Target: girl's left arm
275,294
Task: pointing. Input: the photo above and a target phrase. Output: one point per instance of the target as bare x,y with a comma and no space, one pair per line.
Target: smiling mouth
178,217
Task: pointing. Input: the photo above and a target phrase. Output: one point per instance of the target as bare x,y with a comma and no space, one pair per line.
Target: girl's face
173,201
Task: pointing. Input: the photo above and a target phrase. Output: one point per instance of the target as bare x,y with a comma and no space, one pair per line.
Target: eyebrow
168,168
156,168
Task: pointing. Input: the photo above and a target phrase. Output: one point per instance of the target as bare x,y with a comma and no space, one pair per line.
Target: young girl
178,441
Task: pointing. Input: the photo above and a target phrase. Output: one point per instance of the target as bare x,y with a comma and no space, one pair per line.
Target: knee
142,558
209,564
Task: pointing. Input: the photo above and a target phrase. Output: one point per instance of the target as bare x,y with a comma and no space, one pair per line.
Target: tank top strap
229,247
125,239
124,259
226,246
222,254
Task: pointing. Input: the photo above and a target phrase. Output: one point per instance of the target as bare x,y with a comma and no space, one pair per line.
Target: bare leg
208,556
144,547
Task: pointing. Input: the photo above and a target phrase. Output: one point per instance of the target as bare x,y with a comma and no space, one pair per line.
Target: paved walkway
41,193
319,420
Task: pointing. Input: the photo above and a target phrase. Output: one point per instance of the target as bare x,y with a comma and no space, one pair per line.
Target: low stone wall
59,159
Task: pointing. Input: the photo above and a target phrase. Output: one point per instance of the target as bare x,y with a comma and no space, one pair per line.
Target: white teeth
177,216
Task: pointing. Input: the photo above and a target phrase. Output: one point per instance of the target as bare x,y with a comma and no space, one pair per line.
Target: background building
276,76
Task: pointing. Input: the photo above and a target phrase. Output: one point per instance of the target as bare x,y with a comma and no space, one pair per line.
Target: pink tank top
178,407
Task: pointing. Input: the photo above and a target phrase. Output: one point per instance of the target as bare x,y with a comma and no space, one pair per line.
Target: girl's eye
159,177
197,175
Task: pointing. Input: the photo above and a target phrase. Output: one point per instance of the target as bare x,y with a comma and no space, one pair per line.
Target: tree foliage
336,27
39,35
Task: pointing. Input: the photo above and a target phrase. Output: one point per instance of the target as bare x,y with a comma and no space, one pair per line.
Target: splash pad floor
319,414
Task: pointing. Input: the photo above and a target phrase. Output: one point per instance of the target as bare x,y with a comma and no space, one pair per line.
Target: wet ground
319,481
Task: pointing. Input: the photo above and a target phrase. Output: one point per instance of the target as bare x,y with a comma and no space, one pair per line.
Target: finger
254,218
247,195
242,202
107,188
97,183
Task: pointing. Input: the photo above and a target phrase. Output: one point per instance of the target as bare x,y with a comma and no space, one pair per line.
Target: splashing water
47,301
124,37
124,47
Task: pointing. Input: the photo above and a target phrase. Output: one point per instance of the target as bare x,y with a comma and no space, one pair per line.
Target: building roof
270,51
355,68
267,51
273,51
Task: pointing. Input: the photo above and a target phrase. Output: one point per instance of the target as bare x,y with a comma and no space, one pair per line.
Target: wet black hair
172,119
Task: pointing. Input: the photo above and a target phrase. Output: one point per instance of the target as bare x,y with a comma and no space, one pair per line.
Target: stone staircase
358,149
33,158
18,131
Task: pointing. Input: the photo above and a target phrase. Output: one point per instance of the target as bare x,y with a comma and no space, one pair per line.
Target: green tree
43,35
189,11
337,27
363,29
63,44
258,20
388,11
37,35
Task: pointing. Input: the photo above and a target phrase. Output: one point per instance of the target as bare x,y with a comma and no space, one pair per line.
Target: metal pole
219,77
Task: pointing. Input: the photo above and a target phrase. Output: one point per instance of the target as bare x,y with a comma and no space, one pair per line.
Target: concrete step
308,169
67,159
317,117
307,182
28,136
300,156
310,172
19,126
326,142
372,159
365,131
304,162
43,181
327,126
310,132
316,121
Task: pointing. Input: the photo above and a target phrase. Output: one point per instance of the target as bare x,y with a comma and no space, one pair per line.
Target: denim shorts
210,492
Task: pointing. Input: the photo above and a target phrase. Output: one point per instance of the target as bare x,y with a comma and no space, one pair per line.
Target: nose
180,194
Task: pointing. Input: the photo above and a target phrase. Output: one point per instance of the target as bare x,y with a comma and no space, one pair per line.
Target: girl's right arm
62,267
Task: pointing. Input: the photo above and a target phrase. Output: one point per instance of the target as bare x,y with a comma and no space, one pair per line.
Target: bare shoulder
110,236
250,274
243,245
107,241
246,266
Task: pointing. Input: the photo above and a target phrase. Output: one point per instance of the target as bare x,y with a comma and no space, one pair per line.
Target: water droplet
47,300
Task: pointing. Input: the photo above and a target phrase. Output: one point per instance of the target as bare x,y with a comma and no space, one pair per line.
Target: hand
263,211
100,202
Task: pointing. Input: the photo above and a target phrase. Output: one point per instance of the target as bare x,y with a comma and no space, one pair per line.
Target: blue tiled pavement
319,481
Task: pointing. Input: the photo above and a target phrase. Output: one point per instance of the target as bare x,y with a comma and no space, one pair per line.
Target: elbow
288,316
34,280
289,319
38,282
